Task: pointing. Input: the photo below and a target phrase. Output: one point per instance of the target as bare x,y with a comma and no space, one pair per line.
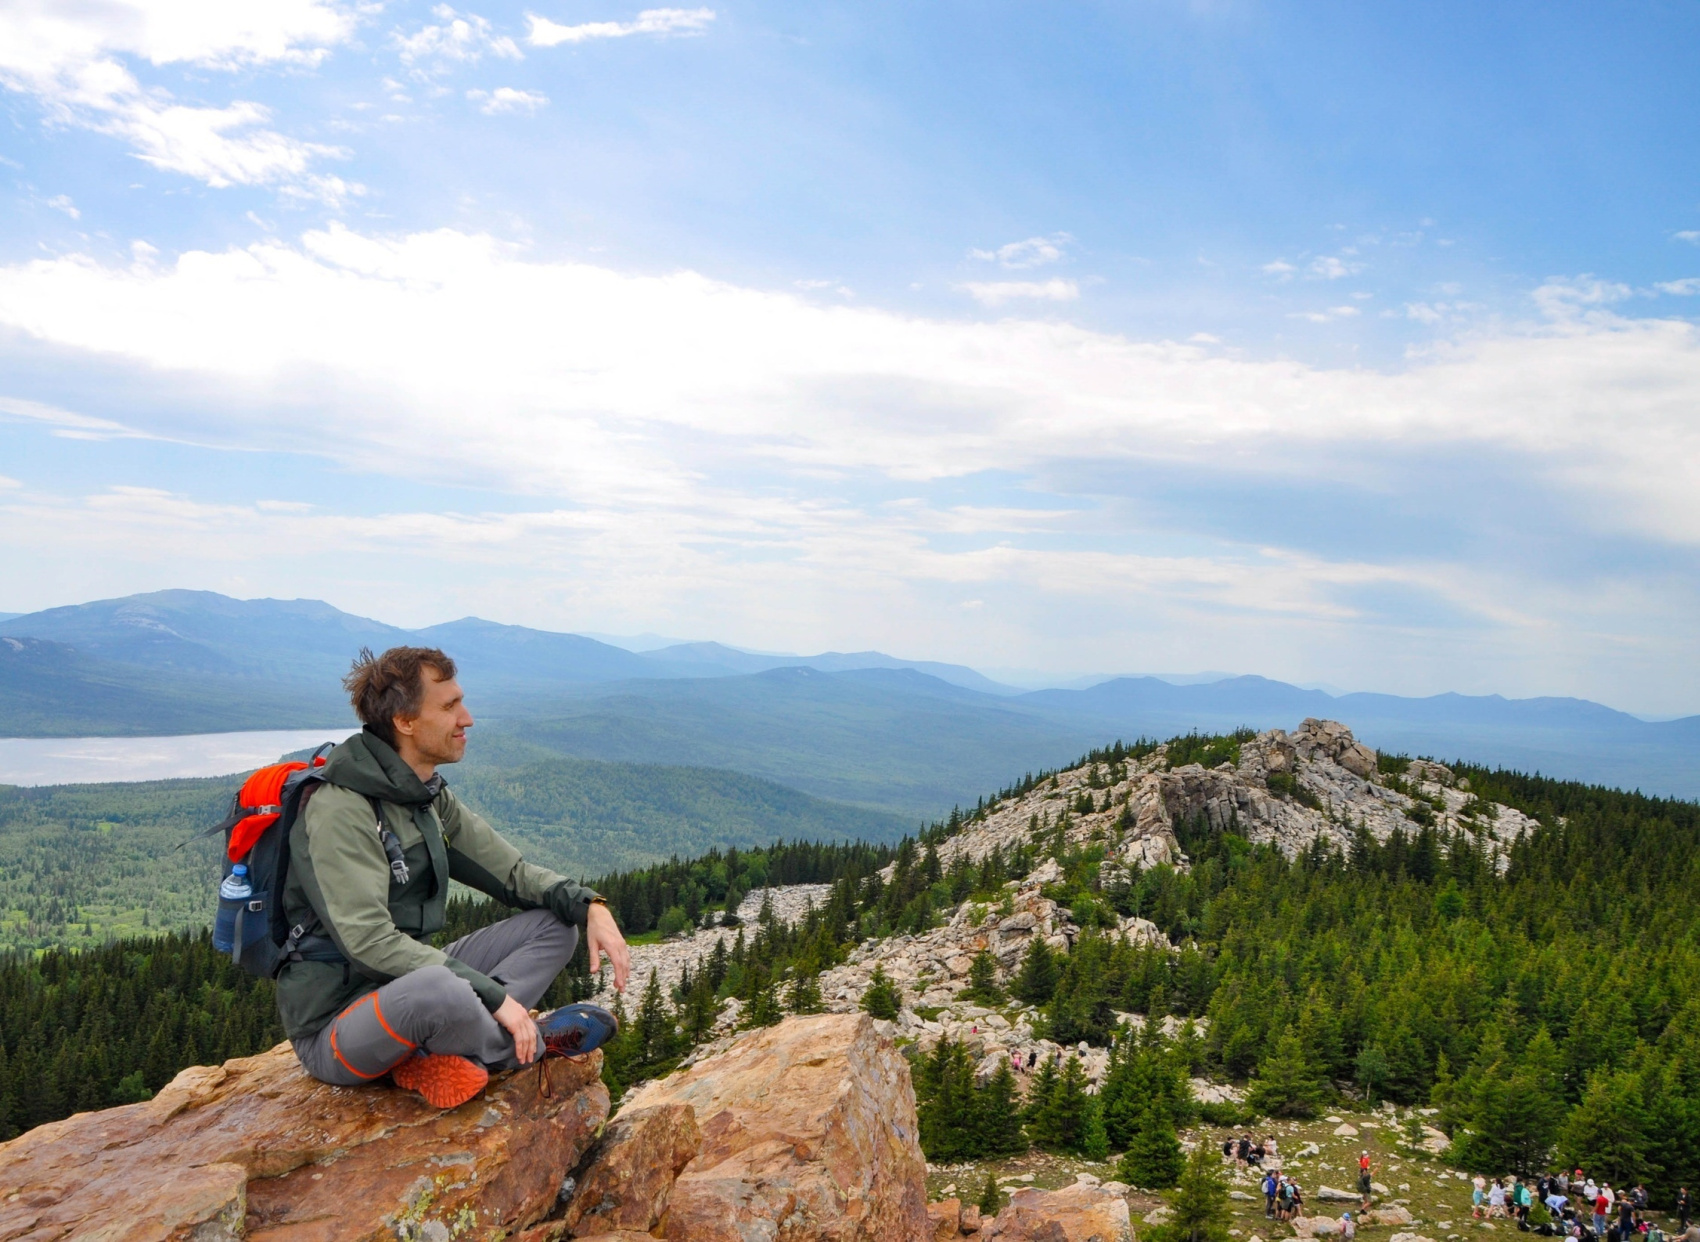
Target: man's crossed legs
436,1011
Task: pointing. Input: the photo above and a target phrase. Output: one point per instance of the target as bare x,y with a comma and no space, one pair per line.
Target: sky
1333,342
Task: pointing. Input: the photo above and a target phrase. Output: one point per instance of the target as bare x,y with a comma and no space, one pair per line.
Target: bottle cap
239,869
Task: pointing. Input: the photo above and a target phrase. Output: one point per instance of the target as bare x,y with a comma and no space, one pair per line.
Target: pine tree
882,999
654,1025
1000,1115
764,1008
1039,1096
1039,973
1200,1205
1285,1085
1153,1159
698,1009
1060,1121
1508,1110
947,1110
805,994
991,1198
1094,1141
983,986
1609,1129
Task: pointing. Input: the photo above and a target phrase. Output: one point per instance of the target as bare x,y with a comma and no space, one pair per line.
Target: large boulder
1329,739
630,1180
1391,1214
1078,1213
808,1132
1315,1226
256,1149
945,1220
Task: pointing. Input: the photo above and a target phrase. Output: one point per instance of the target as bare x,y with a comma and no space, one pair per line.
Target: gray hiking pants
435,1009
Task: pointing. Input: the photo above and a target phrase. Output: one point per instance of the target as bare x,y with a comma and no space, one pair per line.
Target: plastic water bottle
233,897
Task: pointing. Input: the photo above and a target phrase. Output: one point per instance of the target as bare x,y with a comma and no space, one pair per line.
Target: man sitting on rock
363,993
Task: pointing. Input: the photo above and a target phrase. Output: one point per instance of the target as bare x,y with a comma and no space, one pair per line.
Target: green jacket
340,885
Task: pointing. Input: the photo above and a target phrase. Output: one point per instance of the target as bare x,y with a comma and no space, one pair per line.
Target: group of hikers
1577,1207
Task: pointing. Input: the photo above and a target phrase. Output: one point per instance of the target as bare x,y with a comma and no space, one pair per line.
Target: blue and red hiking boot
574,1030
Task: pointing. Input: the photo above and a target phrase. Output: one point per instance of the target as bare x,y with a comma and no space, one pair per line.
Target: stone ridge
1321,756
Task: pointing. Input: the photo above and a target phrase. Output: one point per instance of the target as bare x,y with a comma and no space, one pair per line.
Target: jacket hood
369,766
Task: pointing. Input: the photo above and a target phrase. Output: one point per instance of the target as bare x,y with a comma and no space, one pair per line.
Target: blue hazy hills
910,737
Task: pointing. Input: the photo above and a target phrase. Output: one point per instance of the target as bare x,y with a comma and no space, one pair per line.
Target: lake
81,760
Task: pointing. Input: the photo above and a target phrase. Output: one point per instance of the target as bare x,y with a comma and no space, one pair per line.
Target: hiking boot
573,1030
444,1081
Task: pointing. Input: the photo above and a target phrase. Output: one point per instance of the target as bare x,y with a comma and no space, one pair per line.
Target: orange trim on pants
378,1013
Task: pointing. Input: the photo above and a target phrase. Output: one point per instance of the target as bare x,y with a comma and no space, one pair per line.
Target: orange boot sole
444,1081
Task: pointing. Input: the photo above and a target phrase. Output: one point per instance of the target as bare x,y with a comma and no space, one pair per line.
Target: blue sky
1338,343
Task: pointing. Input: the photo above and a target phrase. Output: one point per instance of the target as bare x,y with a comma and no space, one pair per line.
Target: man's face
438,733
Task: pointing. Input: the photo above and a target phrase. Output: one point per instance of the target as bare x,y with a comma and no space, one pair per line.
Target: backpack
254,931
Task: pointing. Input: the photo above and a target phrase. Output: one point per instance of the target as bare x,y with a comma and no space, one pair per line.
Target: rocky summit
1286,789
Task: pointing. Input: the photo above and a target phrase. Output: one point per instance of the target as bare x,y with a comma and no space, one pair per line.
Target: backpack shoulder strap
391,843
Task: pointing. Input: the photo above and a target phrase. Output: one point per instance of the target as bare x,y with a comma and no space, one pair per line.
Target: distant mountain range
911,737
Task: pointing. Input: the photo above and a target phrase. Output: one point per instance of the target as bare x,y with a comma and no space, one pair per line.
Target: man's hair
382,687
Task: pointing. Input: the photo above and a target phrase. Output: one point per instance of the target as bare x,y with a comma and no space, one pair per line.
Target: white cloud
680,449
66,423
1031,252
460,38
1564,298
557,355
1325,316
545,33
997,292
62,202
1333,267
8,484
1689,235
1280,269
1684,288
507,99
69,57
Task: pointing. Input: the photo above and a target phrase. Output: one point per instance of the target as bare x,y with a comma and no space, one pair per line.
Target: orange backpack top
251,926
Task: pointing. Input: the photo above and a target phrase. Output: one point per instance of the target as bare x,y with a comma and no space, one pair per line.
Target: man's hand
601,937
517,1022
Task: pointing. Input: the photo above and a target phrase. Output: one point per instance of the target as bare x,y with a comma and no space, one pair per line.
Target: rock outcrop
638,1159
256,1149
808,1131
1285,789
1078,1213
